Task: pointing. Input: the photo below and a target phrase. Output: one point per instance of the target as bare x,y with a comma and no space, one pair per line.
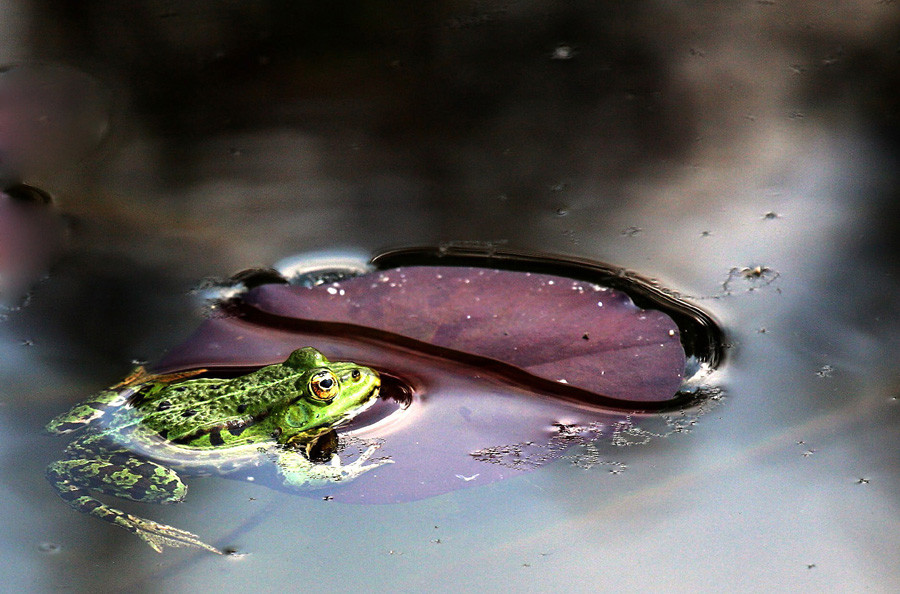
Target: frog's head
328,393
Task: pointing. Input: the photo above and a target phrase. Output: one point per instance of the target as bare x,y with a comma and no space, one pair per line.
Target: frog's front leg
297,471
124,475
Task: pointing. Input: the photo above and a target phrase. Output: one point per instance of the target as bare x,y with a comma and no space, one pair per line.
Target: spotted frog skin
135,437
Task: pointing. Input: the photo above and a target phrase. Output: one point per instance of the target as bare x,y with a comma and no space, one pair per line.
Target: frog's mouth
352,414
306,439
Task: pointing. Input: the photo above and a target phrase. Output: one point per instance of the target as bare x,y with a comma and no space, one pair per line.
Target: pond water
744,157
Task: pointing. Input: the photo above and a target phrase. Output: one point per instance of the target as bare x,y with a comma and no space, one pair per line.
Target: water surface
684,143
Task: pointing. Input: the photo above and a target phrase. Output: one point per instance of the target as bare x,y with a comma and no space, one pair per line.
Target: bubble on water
771,215
315,268
825,371
631,231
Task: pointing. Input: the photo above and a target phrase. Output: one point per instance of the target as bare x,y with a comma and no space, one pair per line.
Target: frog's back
212,408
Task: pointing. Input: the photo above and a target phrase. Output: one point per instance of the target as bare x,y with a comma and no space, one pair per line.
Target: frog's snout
374,380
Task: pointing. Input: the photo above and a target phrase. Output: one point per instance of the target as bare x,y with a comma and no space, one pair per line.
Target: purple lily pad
485,352
30,236
556,328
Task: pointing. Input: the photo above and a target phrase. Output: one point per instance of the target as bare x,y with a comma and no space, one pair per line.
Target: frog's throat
301,438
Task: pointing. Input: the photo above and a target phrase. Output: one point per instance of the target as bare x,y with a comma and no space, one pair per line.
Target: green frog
137,436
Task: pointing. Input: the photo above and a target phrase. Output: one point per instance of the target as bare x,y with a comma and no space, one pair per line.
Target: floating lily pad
30,236
504,369
558,329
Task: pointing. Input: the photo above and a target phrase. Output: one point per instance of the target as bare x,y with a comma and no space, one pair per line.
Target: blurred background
684,141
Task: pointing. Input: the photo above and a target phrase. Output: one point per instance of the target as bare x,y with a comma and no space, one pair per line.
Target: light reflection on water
791,483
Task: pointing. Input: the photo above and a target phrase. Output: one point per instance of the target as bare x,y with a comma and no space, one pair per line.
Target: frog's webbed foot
298,471
358,466
120,475
161,535
153,533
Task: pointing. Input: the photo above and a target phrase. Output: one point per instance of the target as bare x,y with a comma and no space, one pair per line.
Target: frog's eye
355,375
323,386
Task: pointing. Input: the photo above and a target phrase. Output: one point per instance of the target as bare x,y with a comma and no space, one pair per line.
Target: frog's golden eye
323,386
355,375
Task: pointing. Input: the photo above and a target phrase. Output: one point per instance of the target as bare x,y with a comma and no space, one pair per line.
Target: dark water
745,157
